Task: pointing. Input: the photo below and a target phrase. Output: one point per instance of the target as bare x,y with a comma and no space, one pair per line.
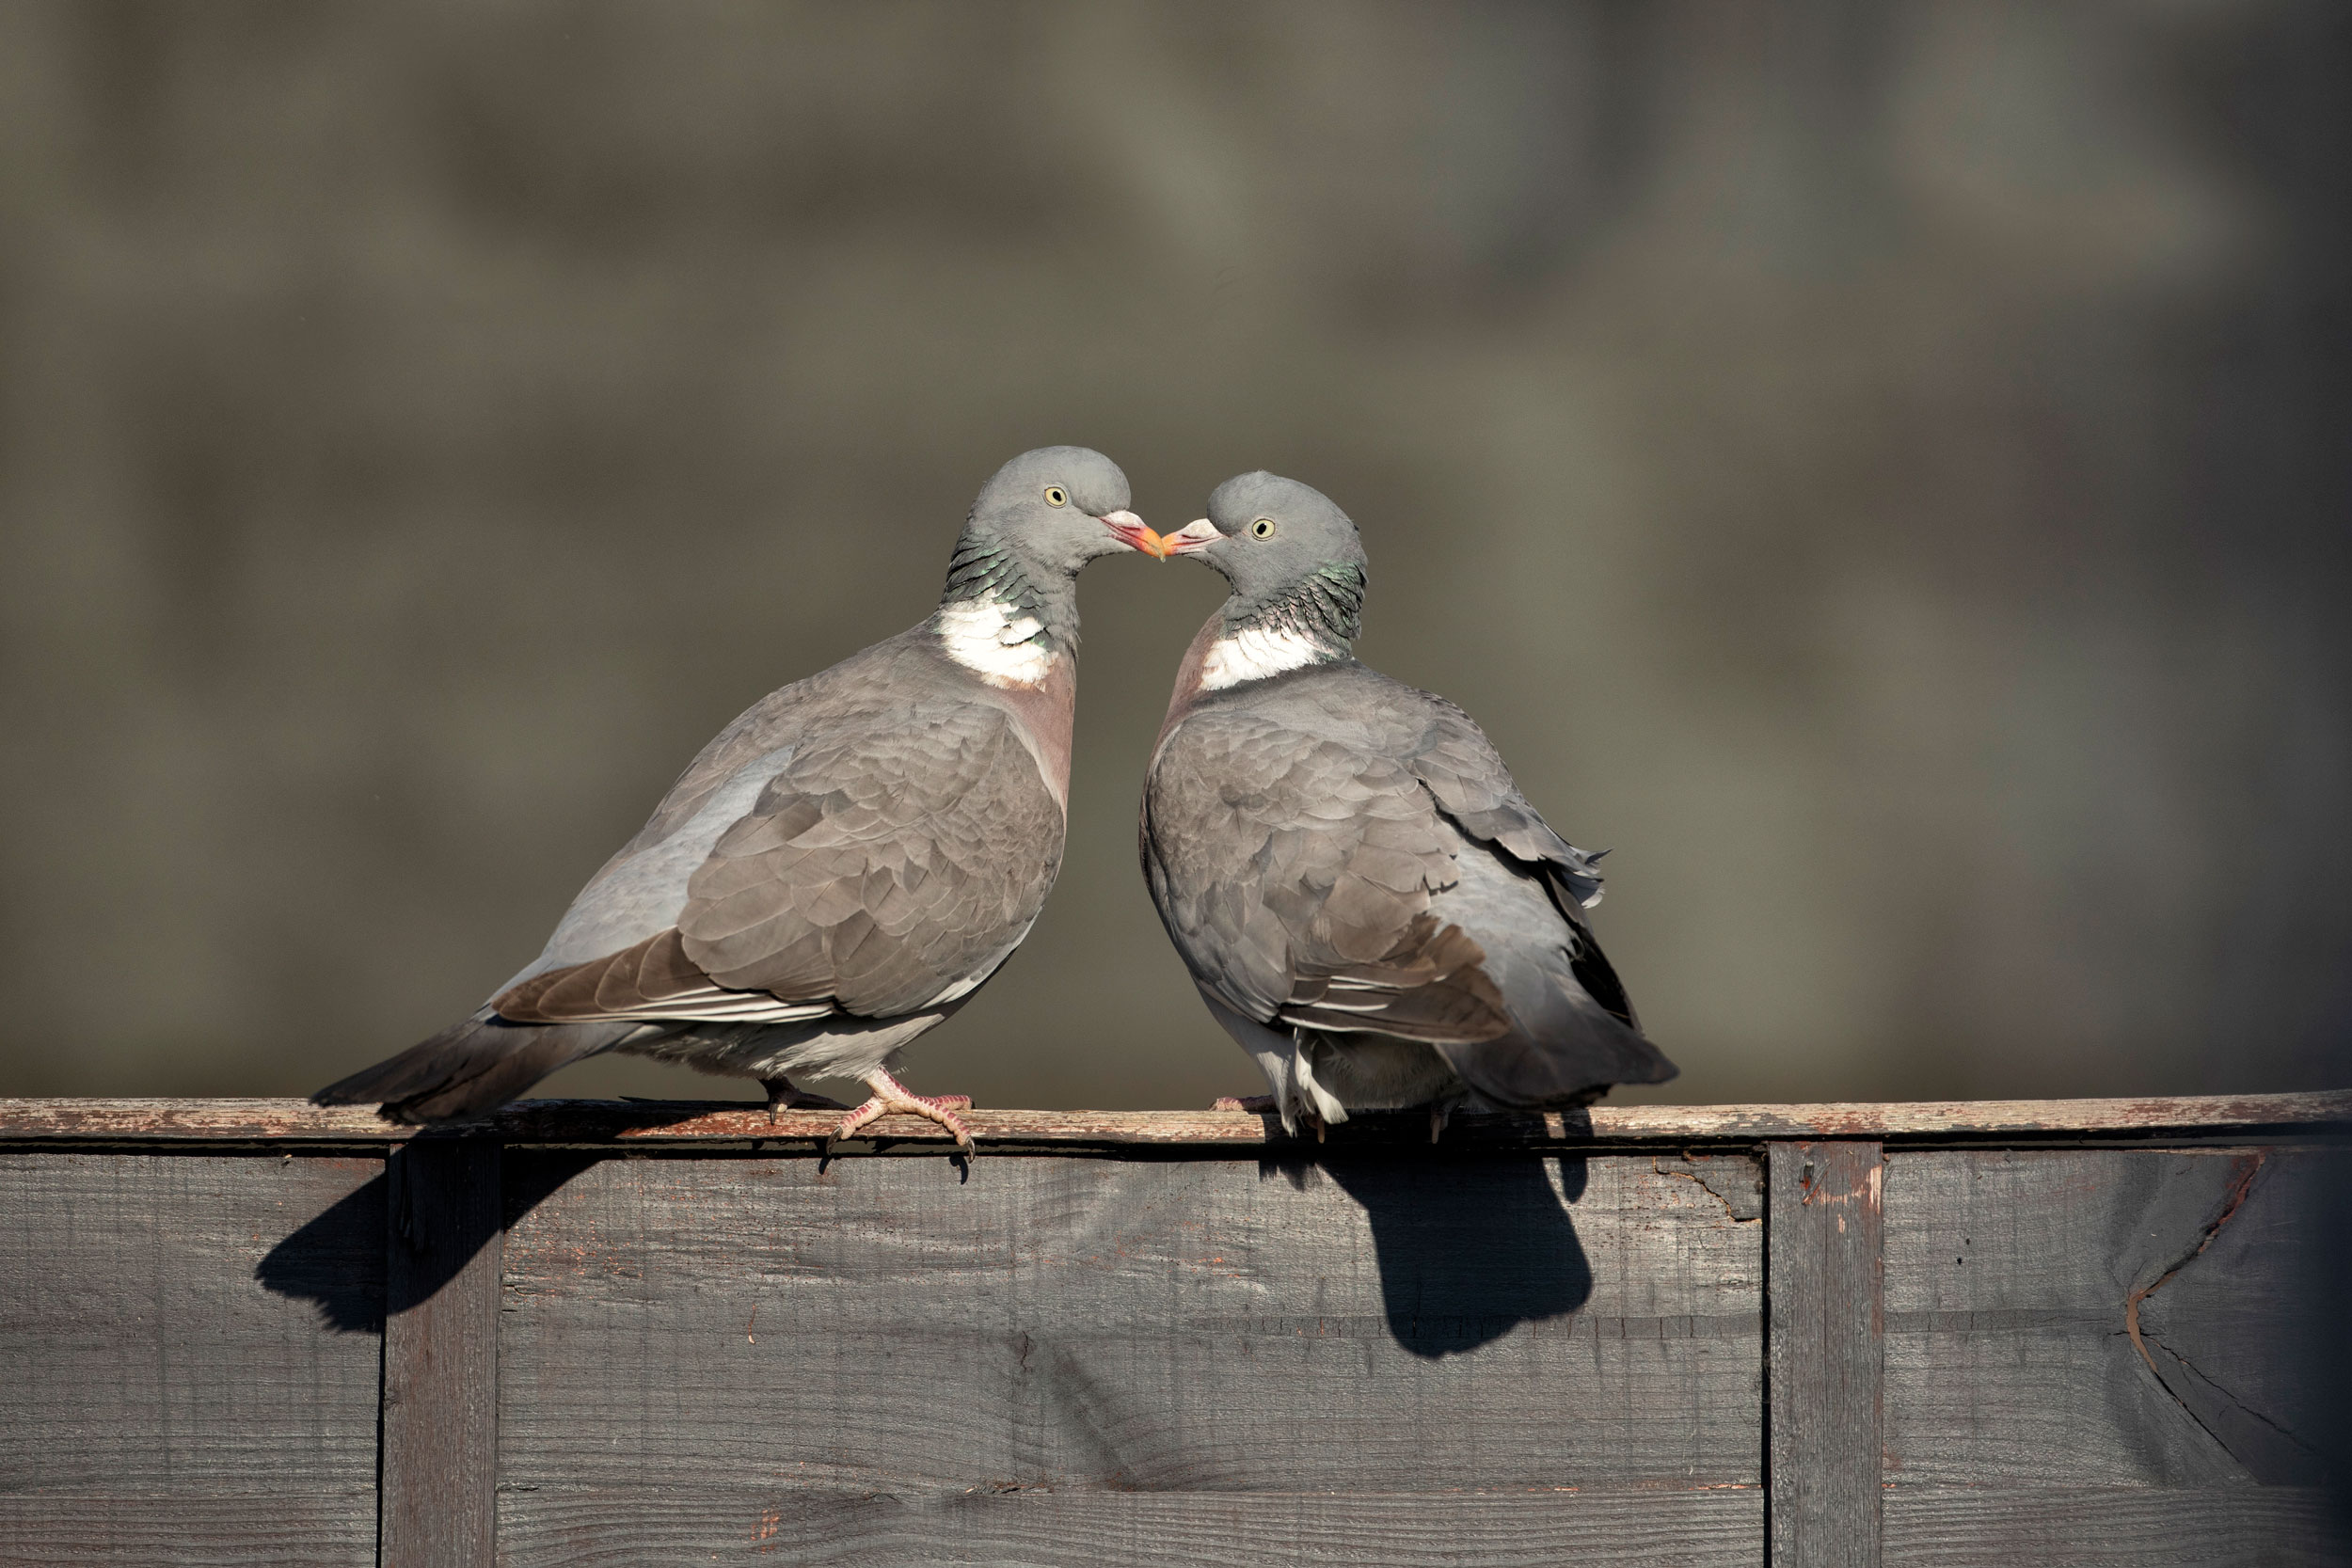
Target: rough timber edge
640,1123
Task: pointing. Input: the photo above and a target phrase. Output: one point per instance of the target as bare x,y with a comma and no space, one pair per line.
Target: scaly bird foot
890,1095
781,1096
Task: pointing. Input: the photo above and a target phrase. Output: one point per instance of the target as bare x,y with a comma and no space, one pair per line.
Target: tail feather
1560,1056
470,1068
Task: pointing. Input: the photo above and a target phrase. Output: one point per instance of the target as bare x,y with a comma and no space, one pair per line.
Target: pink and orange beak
1135,533
1192,536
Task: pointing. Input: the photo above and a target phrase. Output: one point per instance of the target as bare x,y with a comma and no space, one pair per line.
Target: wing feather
896,859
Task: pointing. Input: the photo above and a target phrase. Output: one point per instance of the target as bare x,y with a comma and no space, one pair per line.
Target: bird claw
781,1096
1261,1104
892,1095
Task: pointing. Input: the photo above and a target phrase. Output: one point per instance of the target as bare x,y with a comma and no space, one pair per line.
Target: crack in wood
2291,1458
2243,1169
2303,1448
1737,1183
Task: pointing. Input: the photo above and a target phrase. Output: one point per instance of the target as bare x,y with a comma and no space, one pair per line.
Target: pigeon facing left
845,864
1366,901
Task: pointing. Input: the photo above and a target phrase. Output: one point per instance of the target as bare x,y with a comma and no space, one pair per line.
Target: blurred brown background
1882,467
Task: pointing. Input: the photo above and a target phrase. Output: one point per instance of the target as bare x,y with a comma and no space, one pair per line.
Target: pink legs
890,1095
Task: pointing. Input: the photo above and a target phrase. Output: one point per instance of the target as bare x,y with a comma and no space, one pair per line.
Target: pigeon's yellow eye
1263,527
1057,496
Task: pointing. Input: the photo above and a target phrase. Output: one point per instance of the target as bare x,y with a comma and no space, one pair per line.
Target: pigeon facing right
844,866
1367,903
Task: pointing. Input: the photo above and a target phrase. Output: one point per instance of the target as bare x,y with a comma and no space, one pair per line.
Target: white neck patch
1254,653
993,641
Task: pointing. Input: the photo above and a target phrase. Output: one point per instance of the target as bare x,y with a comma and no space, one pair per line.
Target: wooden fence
2082,1332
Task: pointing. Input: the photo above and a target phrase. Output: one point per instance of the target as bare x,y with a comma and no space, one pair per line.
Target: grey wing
1467,777
891,863
715,789
1567,1038
1294,875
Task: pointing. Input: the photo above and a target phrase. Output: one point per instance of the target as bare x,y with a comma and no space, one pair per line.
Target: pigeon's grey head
1057,508
1284,547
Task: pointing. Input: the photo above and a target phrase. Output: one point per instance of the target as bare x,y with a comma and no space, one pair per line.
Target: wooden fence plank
440,1356
1158,1338
1353,1325
2112,1317
213,1528
622,1528
604,1121
189,1338
2116,1527
1824,1283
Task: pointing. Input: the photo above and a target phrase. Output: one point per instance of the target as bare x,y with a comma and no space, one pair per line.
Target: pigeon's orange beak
1192,536
1131,530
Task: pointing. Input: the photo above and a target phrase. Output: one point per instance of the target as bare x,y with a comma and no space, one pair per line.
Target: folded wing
891,863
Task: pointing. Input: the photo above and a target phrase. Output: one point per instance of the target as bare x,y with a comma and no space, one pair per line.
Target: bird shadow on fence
306,1264
313,1263
1467,1249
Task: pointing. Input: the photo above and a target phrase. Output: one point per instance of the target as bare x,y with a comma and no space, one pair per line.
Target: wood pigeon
1368,904
844,866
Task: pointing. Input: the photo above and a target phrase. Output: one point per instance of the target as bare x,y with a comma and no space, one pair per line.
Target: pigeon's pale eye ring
1261,529
1057,496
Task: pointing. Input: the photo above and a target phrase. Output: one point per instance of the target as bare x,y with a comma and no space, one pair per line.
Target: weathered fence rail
2078,1332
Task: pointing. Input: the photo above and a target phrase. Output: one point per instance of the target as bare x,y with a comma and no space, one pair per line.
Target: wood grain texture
169,1348
1359,1324
440,1356
2116,1527
1524,1346
591,1121
1825,1201
2111,1316
203,1528
1717,1528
